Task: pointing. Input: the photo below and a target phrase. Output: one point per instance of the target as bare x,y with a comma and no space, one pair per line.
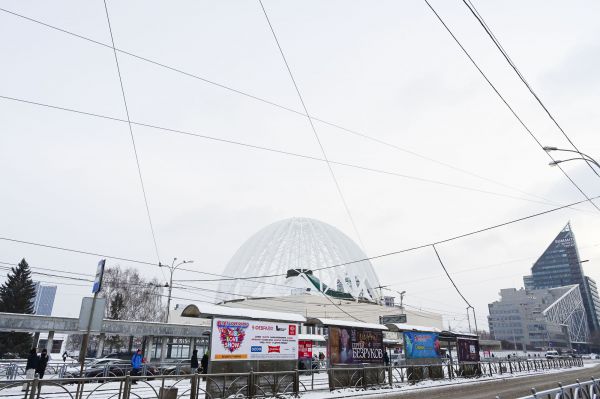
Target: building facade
560,266
540,319
43,302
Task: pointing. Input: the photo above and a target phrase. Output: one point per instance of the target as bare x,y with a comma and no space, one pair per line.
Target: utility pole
95,289
172,269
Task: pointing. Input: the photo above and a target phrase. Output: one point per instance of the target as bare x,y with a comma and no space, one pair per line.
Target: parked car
181,367
552,354
107,367
590,356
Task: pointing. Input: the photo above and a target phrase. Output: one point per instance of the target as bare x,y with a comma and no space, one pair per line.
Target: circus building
309,267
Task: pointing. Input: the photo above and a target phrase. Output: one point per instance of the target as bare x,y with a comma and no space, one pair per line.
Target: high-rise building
43,302
546,318
559,266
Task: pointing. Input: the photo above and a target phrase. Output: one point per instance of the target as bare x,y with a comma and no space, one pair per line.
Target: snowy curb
385,392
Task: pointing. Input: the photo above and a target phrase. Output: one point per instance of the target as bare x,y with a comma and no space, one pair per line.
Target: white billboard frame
235,339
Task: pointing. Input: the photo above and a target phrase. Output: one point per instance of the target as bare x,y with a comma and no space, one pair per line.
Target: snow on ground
319,384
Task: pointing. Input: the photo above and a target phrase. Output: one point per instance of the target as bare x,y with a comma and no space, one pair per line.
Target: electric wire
278,151
514,113
269,102
135,151
448,275
312,126
514,67
421,246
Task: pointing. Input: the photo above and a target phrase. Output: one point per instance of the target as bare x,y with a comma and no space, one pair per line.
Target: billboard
421,345
468,350
347,345
304,349
234,339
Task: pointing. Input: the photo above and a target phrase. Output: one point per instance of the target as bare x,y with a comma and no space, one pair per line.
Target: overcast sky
386,69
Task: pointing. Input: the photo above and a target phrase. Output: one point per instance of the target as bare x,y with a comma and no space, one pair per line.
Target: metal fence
263,384
579,390
16,370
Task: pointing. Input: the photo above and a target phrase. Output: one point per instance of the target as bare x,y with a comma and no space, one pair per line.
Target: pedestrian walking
64,356
42,363
136,364
32,363
194,361
204,363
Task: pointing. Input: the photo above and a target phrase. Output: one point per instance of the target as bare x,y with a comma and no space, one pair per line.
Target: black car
107,367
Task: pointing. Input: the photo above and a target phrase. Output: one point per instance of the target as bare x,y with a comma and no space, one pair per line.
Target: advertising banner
468,350
304,349
234,339
421,345
348,345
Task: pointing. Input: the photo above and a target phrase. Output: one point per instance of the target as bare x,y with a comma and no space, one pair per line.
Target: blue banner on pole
99,274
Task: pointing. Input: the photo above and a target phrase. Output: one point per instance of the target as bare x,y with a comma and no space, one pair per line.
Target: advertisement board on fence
421,345
348,345
234,339
304,349
468,350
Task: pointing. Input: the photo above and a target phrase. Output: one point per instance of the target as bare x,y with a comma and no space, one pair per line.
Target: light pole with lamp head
172,269
581,157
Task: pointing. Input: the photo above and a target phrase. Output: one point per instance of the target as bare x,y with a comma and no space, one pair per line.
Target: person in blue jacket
136,364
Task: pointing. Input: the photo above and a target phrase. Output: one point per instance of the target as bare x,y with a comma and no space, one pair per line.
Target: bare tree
129,296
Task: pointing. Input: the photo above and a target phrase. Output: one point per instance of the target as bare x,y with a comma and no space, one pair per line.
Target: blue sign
421,345
99,274
256,349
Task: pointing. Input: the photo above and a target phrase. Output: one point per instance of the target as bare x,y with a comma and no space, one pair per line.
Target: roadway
506,388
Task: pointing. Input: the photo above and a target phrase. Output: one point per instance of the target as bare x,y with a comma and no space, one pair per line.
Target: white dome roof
299,243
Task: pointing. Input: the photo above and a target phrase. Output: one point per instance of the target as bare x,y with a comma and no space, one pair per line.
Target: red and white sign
304,349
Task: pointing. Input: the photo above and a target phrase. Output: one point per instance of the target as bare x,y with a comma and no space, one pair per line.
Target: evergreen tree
16,296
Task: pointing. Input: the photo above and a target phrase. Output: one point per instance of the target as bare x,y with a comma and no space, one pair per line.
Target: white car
552,355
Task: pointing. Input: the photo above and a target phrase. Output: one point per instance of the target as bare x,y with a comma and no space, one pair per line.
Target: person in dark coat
194,361
42,363
31,366
204,363
386,358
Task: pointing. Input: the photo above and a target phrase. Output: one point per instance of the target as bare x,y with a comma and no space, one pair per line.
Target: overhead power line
229,278
312,126
269,102
514,67
135,152
414,248
272,150
510,108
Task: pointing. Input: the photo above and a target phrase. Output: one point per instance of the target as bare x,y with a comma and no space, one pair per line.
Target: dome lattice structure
302,244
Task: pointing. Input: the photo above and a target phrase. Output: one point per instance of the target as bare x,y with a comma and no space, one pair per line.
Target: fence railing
579,390
16,370
263,384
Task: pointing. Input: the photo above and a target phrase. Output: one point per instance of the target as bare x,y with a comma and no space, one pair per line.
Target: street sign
99,274
84,314
393,318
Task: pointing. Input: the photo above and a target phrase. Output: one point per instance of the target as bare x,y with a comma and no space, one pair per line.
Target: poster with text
348,345
234,339
468,350
421,345
304,349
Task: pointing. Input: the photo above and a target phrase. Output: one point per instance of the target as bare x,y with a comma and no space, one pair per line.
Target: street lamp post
581,157
172,269
401,299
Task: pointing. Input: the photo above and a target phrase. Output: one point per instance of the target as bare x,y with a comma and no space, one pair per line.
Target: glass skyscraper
560,266
43,302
